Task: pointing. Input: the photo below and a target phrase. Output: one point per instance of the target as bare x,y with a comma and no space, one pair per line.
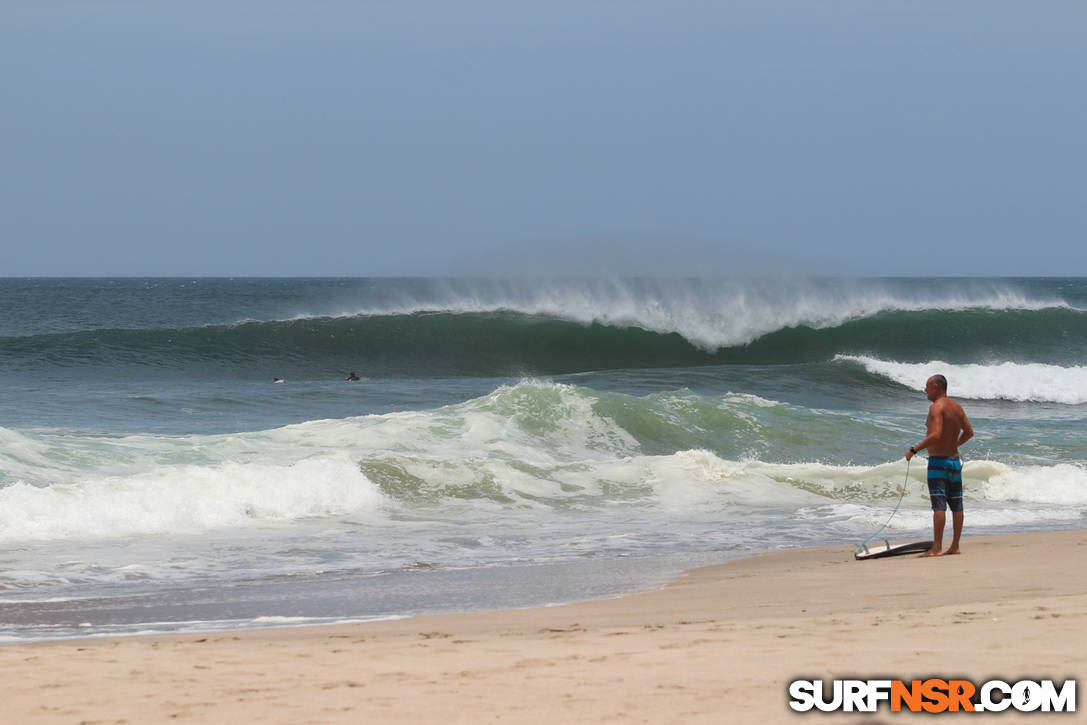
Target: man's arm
967,430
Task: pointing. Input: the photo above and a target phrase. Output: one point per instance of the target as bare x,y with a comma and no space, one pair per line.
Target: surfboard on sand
886,548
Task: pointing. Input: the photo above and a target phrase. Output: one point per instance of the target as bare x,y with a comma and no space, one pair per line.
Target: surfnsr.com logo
932,695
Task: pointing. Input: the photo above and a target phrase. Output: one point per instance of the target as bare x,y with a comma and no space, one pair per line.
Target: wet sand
718,644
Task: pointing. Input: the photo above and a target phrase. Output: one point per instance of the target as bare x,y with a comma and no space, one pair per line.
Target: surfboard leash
905,484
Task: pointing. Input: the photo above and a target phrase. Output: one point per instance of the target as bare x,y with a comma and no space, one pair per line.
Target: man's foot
931,552
952,550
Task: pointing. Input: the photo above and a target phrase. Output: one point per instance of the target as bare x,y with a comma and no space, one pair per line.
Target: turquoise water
516,442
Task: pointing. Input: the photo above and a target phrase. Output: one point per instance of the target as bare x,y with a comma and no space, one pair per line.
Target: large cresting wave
551,330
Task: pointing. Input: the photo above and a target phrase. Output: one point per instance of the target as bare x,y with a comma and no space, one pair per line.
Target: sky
446,138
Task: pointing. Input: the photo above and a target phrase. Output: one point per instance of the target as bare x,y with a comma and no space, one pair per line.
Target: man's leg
956,524
939,518
954,501
938,496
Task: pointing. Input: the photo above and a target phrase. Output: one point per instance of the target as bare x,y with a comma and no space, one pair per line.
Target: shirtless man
948,428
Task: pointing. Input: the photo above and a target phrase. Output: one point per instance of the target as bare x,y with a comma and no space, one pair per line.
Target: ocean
516,442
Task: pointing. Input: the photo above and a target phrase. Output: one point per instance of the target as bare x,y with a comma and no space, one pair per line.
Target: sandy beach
718,644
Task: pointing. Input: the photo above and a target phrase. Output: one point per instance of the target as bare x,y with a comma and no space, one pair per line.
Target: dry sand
719,645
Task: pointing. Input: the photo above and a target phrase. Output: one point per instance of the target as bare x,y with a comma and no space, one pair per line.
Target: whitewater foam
853,520
185,499
534,446
1062,484
1018,382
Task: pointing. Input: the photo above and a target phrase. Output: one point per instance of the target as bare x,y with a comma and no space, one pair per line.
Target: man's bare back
948,427
947,424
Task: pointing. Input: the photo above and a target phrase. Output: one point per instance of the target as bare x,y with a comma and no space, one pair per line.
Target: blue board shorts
945,482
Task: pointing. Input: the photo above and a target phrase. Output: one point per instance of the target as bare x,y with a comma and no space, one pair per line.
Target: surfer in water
948,428
354,376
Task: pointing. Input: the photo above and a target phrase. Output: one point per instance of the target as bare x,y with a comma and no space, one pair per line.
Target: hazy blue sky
450,138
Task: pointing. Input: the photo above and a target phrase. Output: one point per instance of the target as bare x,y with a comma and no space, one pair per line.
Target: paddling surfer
948,428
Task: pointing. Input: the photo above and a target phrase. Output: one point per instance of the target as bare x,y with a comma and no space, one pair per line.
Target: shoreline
725,639
460,591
